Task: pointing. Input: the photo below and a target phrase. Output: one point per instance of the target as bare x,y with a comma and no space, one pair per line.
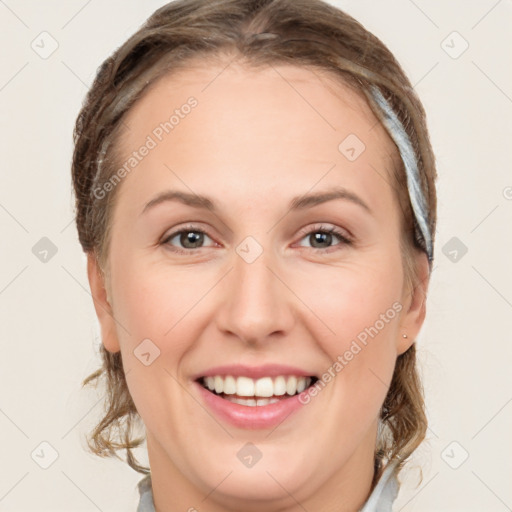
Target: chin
270,479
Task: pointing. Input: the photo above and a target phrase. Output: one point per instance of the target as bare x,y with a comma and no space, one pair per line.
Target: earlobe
102,304
404,343
415,302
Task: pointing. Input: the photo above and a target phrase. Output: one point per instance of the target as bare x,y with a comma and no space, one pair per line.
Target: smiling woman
260,272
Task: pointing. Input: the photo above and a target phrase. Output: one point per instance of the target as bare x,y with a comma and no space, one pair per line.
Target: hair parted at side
307,33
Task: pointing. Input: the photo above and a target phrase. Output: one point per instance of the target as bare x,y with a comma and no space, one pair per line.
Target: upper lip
255,372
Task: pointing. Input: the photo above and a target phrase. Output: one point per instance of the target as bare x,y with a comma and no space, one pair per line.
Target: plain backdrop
457,54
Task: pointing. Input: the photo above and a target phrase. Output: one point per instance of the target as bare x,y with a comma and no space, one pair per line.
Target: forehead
237,88
258,126
285,85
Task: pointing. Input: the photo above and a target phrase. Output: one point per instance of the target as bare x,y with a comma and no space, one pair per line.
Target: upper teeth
264,387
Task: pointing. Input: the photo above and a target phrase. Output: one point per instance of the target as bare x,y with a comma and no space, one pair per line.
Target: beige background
49,333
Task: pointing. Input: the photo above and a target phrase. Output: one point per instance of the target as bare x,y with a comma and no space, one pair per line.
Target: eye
190,238
321,238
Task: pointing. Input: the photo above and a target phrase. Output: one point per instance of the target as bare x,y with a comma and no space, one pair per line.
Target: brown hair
307,33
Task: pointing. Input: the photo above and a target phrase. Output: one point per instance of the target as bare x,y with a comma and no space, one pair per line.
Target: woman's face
255,290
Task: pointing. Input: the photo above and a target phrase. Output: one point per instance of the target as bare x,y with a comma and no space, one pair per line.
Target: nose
256,305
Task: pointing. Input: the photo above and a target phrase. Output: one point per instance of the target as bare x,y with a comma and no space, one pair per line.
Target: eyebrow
297,203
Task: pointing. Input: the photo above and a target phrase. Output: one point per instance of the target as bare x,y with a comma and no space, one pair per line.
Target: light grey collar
385,492
380,500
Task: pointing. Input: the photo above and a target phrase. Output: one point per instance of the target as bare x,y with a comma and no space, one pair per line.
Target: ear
414,302
101,304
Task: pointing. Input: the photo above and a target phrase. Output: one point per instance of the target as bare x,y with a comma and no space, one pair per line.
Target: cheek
152,300
158,304
359,311
348,300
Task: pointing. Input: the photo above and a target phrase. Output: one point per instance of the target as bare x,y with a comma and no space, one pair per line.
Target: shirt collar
380,500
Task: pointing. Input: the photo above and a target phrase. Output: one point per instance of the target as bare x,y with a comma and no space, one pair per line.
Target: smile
254,398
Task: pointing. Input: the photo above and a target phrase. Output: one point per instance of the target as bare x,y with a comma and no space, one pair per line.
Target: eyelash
342,236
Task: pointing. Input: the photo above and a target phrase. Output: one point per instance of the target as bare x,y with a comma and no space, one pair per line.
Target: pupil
320,237
191,237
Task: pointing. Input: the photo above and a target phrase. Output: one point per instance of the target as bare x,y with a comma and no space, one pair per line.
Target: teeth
244,386
251,402
279,386
265,387
291,385
219,384
210,383
230,385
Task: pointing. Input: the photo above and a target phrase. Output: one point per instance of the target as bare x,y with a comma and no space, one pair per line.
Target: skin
256,139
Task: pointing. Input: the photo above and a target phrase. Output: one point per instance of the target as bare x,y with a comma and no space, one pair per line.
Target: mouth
249,392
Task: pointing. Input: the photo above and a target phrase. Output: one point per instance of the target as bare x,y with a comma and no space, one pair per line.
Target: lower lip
247,417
